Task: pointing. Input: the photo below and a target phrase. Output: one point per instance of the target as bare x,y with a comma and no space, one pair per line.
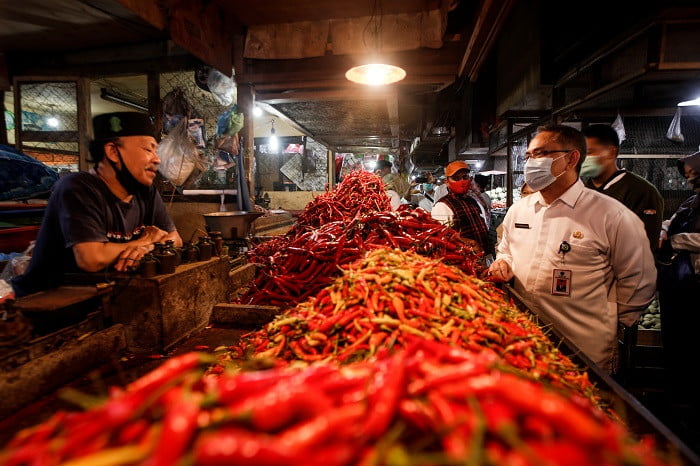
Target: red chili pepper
231,445
389,387
179,426
308,434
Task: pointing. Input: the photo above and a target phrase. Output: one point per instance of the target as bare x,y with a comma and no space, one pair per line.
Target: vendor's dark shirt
638,195
83,209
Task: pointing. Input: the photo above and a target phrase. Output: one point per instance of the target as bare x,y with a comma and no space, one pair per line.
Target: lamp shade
375,74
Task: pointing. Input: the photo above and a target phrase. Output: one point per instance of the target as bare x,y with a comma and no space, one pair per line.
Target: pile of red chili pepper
359,193
305,260
430,404
388,296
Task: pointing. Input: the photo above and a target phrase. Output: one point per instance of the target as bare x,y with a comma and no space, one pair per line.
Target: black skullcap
693,161
120,124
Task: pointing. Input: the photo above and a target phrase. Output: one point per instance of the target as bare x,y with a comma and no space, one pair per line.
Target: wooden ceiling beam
321,84
488,23
432,72
339,94
284,11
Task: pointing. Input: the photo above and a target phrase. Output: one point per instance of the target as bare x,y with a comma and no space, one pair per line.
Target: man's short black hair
382,164
481,180
603,133
570,137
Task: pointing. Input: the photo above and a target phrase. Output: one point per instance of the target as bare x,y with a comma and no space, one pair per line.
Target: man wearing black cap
109,216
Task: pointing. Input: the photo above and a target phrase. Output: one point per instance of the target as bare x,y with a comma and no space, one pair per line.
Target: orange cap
454,167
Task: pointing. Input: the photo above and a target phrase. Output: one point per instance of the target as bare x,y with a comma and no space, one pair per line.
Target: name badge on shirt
522,225
561,282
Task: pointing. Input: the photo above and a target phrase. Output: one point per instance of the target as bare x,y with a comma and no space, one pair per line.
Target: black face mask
694,183
126,179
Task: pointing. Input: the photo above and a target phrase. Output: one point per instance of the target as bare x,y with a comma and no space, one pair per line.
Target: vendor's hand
663,236
500,271
129,259
152,234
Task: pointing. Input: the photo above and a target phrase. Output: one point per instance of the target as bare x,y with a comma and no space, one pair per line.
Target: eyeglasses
460,177
541,153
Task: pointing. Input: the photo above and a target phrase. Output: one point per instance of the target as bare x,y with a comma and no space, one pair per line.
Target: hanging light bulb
273,142
52,122
375,73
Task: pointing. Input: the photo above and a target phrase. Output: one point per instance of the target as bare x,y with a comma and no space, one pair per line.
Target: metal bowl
232,225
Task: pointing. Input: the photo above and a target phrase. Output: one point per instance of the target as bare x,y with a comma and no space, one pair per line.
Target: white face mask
538,172
591,167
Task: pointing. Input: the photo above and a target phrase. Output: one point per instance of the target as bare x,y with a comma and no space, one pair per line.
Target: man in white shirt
579,258
440,191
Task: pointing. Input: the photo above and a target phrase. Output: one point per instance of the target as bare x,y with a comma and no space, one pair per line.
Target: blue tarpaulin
23,177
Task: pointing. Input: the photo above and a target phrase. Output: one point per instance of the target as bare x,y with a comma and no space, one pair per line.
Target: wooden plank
353,93
472,45
438,73
500,14
399,32
288,40
342,83
147,10
243,314
58,298
50,136
246,104
201,29
282,11
85,132
40,376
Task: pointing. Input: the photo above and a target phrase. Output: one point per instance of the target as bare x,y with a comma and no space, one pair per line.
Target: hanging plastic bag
195,129
228,124
178,155
175,109
674,131
221,86
619,128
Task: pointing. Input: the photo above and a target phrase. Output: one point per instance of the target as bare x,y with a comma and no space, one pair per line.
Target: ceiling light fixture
52,122
273,142
375,73
690,103
113,95
257,111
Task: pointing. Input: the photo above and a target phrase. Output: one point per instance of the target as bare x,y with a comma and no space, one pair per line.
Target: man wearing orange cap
460,210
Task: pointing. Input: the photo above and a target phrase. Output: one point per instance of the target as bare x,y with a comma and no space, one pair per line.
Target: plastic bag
178,155
674,131
221,86
195,129
228,124
619,128
17,265
175,109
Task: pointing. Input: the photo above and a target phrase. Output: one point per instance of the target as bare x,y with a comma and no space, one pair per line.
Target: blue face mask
427,187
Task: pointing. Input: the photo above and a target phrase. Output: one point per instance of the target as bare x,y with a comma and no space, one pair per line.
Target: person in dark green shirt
601,172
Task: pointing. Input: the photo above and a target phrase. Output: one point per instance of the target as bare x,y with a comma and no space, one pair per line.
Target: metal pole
331,169
509,163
